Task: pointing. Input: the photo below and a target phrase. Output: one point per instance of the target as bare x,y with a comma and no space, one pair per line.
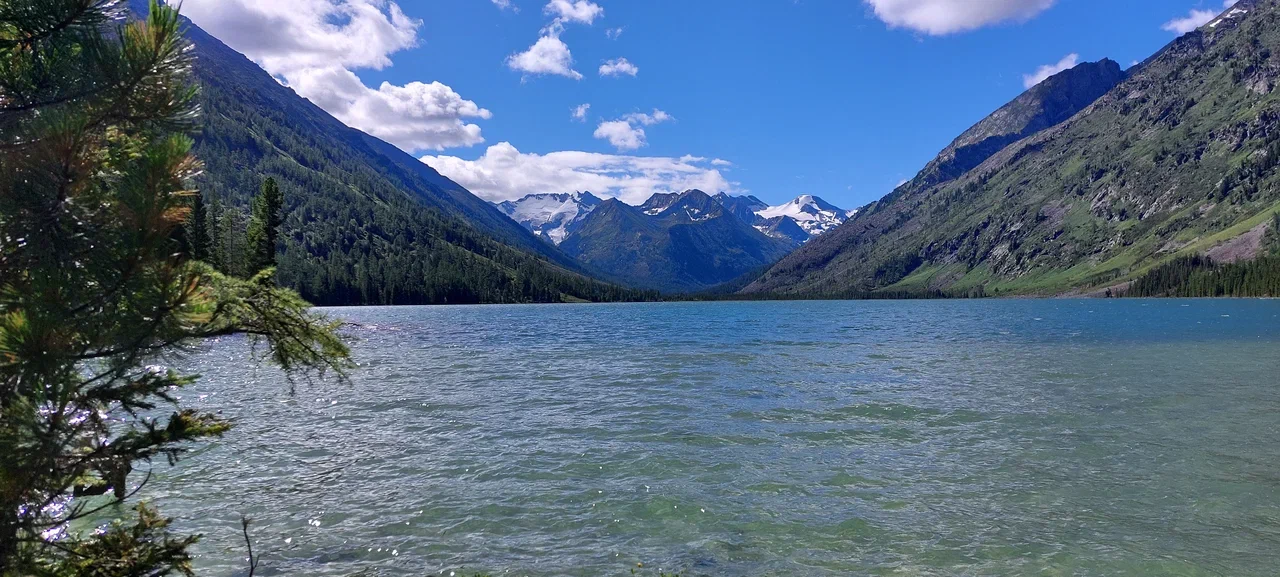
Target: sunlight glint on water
903,438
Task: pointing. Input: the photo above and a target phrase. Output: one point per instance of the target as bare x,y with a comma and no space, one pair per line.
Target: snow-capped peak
551,215
813,214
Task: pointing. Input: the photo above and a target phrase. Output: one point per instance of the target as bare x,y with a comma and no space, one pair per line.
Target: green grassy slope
1179,158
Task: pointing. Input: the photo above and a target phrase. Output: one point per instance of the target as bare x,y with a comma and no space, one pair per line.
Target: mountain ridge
550,215
365,222
1132,179
684,242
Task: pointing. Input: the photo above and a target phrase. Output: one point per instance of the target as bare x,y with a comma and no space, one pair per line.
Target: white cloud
619,67
626,133
621,134
505,173
505,4
580,111
415,116
940,17
721,162
1068,62
1192,21
613,33
312,45
657,117
549,55
582,11
1195,19
292,34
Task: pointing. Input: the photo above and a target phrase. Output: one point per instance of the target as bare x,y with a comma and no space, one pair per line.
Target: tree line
100,287
1200,276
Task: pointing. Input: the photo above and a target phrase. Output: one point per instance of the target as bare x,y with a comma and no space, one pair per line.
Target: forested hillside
1179,159
365,223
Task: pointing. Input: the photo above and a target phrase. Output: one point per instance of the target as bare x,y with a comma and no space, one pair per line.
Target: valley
1087,181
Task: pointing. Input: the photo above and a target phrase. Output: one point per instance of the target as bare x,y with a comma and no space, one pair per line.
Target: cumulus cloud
580,111
720,162
1068,62
1194,19
505,173
941,17
627,133
505,4
619,67
549,55
416,116
621,134
582,11
313,45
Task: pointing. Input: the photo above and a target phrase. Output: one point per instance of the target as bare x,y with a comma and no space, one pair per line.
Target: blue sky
776,98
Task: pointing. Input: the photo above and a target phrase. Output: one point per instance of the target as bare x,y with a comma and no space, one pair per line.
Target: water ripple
933,438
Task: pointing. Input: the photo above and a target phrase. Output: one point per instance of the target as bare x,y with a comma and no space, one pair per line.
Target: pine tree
197,231
96,291
1273,235
213,227
264,227
231,234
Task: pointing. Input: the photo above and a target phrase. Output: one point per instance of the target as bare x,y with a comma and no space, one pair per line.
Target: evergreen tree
96,292
1273,236
213,228
197,231
231,232
264,227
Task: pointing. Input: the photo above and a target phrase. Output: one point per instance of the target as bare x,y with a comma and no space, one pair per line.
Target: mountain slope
551,216
1179,158
798,221
1044,105
366,223
688,244
810,213
743,207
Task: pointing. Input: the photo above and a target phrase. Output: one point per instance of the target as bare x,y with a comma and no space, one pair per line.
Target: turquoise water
818,438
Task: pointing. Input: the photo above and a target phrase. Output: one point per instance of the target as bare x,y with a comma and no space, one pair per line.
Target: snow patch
550,215
813,214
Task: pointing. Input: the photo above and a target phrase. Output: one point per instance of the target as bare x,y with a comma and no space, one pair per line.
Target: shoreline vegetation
99,288
1183,277
1195,276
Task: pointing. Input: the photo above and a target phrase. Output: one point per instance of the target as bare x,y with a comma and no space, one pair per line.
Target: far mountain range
1084,184
554,216
674,241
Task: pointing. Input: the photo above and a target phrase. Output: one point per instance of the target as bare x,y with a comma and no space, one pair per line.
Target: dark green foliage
264,227
1272,244
897,268
98,289
1167,279
197,229
362,223
1200,277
